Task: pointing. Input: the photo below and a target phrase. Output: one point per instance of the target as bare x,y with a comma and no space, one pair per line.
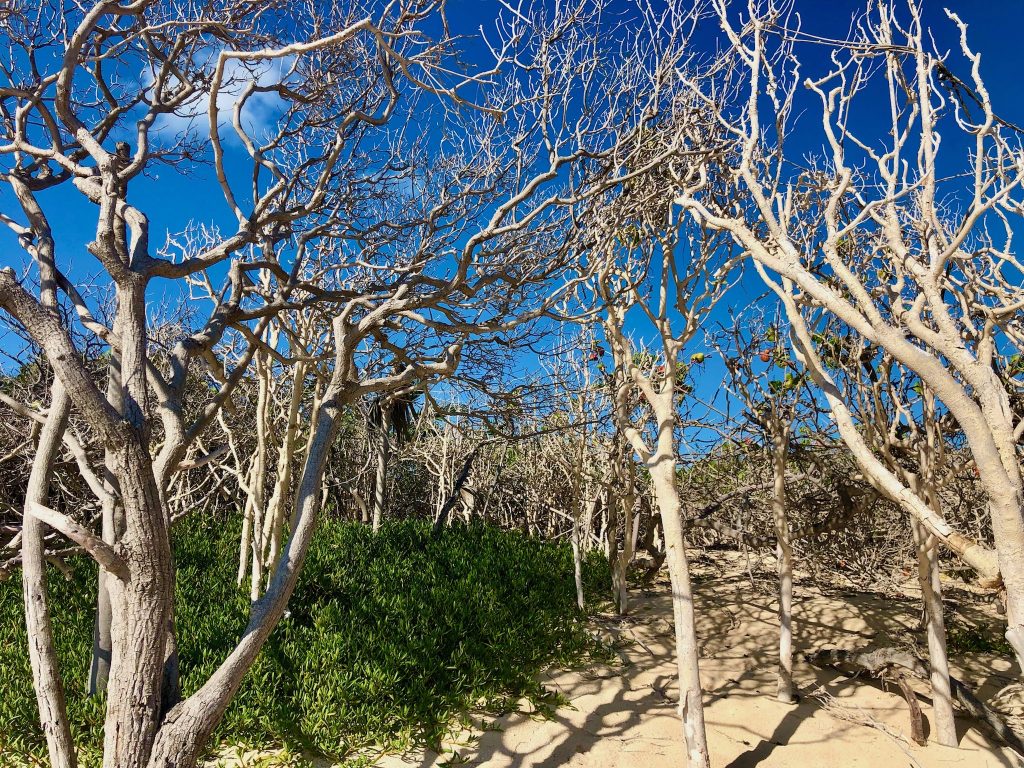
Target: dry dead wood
893,663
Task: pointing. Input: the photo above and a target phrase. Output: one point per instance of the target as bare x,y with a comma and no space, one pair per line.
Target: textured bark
42,655
112,528
916,720
141,607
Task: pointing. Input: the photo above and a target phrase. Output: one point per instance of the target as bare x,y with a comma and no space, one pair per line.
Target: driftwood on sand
896,664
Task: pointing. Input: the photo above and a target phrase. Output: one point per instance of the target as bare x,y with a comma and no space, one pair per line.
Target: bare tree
771,390
867,234
669,278
376,243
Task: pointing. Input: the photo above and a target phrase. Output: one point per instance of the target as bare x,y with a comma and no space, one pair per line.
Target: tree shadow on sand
626,715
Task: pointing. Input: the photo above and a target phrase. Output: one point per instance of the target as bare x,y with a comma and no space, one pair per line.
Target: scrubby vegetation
393,639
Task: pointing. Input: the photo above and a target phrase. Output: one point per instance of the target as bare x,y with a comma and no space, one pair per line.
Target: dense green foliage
390,639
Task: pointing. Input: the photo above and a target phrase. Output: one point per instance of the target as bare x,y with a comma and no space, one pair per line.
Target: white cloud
260,113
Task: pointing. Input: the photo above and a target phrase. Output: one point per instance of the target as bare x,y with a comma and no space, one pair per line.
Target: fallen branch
880,661
916,721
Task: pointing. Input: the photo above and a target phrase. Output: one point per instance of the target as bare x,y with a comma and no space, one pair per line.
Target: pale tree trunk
626,498
442,474
1007,512
188,726
581,522
43,656
944,730
250,544
691,704
276,511
611,540
625,555
577,561
577,558
380,478
141,607
780,446
259,480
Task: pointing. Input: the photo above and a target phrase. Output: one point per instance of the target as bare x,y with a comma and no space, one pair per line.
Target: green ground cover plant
393,639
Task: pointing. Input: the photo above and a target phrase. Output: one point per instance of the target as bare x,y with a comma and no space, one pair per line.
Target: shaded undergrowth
392,639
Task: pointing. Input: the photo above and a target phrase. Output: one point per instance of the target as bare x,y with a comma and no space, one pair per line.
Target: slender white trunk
277,509
691,704
577,560
780,444
381,477
258,483
42,653
944,730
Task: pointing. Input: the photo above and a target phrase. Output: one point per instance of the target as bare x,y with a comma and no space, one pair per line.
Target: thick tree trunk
1008,534
780,445
691,704
944,730
141,606
1001,476
141,612
42,654
112,522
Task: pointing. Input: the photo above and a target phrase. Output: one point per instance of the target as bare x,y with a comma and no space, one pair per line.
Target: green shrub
963,637
390,638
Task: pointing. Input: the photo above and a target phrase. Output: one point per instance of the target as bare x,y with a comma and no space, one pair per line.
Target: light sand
624,716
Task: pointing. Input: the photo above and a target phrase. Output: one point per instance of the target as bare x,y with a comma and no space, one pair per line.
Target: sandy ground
624,716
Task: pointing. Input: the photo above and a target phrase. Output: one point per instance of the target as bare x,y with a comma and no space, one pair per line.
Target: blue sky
173,199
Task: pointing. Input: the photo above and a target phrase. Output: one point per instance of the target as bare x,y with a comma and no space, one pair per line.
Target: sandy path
624,716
